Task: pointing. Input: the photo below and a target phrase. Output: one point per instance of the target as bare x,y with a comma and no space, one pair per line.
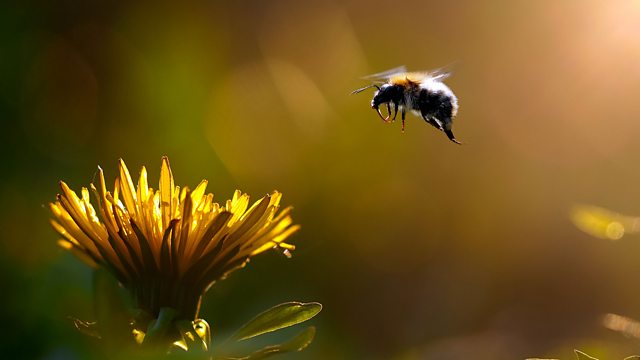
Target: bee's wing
442,72
386,75
438,74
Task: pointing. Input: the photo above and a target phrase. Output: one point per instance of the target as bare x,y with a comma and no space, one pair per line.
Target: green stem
159,328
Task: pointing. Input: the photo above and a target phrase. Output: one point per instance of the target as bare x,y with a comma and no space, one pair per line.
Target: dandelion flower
167,246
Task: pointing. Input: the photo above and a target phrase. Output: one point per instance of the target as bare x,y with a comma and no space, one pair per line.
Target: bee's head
385,94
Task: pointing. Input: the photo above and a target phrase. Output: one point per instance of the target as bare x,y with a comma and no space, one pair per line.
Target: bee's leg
402,114
446,127
377,109
395,112
388,113
451,137
433,122
447,130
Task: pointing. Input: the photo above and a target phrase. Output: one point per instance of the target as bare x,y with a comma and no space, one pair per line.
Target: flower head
169,245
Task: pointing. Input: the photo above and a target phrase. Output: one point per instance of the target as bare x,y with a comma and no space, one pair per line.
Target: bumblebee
423,93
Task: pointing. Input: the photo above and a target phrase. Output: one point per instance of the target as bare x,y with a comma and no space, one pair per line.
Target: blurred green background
418,248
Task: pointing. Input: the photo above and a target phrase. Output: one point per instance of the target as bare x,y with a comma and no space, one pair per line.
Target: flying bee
423,93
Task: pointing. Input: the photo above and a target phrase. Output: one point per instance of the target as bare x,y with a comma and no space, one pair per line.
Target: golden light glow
167,246
603,223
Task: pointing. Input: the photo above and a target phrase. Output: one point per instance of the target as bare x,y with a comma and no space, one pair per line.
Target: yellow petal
143,185
105,204
285,234
278,240
238,206
198,193
236,195
72,231
72,204
275,198
185,225
145,217
166,188
128,191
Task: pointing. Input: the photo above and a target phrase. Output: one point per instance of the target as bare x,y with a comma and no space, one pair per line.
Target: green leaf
582,356
297,343
278,317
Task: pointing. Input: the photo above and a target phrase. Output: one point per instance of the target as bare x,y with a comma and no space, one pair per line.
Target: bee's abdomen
437,104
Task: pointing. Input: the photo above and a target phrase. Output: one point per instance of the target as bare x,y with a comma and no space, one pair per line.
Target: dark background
418,248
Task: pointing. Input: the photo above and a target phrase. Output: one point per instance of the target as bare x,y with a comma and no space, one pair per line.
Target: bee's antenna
365,88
